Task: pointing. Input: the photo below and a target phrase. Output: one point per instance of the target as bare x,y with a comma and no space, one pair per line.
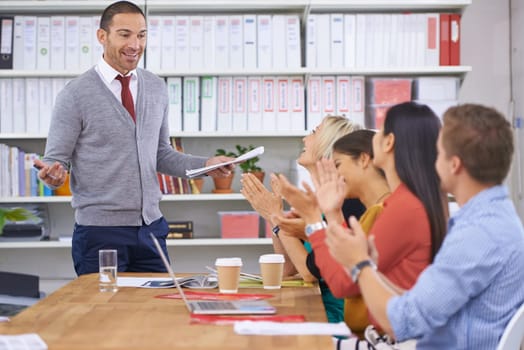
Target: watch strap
312,228
357,269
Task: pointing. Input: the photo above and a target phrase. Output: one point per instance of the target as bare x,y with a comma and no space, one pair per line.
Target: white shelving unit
51,260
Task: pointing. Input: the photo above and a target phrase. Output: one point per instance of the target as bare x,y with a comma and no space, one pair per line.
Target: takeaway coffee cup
228,274
271,267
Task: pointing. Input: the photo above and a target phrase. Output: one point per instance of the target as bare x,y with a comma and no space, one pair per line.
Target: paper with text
246,156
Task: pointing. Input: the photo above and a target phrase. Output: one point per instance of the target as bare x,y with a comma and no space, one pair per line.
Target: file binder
283,117
196,42
57,55
168,43
239,104
454,42
191,114
296,104
174,93
154,43
254,103
224,117
6,42
236,42
208,101
43,46
18,43
269,121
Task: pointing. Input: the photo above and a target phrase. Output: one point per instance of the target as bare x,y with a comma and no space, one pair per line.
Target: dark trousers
136,250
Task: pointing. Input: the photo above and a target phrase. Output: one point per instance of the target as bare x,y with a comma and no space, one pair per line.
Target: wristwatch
276,230
311,228
357,269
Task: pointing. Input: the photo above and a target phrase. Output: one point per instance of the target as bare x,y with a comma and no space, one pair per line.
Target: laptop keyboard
215,305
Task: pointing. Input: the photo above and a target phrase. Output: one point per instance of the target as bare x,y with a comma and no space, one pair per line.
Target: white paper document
291,328
30,341
201,171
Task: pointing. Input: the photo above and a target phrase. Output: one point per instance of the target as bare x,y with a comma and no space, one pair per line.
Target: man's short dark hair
116,8
482,138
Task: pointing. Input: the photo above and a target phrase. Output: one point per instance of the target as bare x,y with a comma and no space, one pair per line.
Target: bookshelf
282,147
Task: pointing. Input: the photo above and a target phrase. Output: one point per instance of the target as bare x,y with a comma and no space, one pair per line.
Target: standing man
465,299
109,129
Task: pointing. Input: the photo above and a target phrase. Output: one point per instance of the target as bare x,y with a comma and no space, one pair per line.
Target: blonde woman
289,228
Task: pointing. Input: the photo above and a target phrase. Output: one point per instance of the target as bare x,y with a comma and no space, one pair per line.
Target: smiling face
349,168
124,42
309,155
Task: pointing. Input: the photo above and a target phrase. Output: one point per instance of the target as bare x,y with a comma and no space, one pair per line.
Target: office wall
493,44
517,66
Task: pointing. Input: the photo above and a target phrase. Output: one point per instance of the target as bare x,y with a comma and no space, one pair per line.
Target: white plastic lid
271,258
228,262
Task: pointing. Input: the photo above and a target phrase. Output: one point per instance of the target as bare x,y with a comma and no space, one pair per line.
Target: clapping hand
347,245
331,190
304,203
266,203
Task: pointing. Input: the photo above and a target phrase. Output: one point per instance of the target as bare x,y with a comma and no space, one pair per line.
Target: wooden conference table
78,316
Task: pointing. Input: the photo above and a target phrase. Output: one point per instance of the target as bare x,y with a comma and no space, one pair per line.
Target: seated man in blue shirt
465,299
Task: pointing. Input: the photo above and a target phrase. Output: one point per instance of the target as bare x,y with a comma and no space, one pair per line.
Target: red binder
454,42
444,39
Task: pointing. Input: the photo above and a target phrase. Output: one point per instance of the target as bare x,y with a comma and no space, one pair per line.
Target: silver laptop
215,307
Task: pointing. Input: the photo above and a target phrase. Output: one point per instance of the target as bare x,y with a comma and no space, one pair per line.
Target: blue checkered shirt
467,296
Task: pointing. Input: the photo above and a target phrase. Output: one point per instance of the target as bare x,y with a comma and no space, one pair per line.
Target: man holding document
109,129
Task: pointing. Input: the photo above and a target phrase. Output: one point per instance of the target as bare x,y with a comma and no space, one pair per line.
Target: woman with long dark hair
411,227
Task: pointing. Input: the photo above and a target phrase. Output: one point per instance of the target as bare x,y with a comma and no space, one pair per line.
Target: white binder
224,116
6,105
18,43
191,101
209,42
311,41
293,52
86,43
283,116
323,41
314,102
254,103
269,122
32,108
43,43
167,46
196,42
154,43
358,100
236,42
208,103
265,42
239,104
18,105
329,97
58,43
343,93
432,47
182,42
221,42
350,34
72,42
279,35
98,49
45,99
250,41
296,103
174,93
337,40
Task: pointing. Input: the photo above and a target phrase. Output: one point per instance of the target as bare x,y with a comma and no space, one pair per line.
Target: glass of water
107,259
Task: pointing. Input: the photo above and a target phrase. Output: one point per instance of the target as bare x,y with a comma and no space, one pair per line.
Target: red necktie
127,98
